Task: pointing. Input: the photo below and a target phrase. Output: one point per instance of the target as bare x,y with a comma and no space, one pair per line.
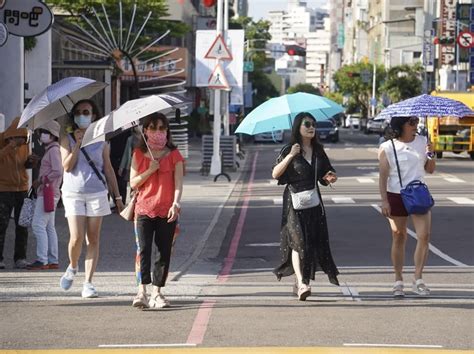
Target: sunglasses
413,121
308,124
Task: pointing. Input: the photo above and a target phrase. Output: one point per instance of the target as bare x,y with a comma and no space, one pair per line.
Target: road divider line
171,345
365,180
201,322
343,200
432,248
454,180
461,200
392,345
234,245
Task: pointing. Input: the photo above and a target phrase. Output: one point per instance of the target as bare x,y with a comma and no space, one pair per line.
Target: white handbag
28,209
305,199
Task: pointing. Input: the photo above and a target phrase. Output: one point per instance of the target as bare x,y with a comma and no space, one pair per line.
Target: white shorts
92,204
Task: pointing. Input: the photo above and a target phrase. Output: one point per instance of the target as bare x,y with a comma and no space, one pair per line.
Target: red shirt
156,194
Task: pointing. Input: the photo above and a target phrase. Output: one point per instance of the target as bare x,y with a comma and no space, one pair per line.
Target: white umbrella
129,114
57,100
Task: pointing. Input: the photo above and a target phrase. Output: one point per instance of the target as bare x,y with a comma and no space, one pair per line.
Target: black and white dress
305,231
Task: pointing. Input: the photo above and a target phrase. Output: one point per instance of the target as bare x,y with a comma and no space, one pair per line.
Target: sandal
397,290
158,301
303,292
140,301
420,288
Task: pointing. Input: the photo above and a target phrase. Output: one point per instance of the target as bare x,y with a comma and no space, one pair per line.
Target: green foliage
403,81
349,82
335,96
29,43
263,86
308,88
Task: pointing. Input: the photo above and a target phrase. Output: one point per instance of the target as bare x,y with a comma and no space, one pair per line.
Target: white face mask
83,121
46,138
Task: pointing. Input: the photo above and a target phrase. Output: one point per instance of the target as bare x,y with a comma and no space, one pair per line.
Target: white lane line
365,180
278,201
172,345
392,345
348,148
454,180
346,292
271,244
273,181
432,248
354,293
462,200
343,200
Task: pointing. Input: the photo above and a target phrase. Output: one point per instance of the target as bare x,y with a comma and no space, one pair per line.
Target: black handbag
416,196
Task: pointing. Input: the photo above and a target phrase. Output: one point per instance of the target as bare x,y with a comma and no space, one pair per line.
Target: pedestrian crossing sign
217,80
218,50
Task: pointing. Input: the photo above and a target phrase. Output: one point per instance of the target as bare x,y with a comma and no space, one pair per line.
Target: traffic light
444,40
209,3
351,74
294,50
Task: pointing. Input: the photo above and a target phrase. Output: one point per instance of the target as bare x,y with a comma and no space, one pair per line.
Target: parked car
276,137
327,130
376,125
352,120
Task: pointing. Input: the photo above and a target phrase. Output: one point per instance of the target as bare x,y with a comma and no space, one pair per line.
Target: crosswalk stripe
462,200
454,180
343,200
365,180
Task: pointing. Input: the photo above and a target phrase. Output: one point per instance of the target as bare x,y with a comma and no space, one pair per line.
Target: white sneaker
88,291
67,279
158,301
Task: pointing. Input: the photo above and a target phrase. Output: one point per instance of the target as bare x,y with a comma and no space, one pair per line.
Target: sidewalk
202,203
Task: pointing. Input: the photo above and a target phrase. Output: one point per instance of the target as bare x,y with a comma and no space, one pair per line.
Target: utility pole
216,167
225,94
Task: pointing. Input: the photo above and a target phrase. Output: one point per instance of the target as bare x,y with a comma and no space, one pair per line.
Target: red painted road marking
196,336
234,245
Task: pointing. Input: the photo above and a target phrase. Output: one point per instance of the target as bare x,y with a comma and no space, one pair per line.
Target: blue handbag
416,196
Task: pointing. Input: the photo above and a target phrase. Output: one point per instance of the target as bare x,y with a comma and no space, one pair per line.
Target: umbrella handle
148,147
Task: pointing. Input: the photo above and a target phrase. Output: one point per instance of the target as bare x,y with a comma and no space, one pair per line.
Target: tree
349,81
308,88
335,96
403,81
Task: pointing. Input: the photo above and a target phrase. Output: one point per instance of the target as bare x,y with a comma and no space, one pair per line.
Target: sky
259,8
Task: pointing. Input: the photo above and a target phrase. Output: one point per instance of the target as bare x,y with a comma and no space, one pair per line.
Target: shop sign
25,18
448,30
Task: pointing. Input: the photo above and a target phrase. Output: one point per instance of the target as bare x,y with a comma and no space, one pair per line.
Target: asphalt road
228,296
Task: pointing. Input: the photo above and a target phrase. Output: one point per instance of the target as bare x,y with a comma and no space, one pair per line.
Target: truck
452,134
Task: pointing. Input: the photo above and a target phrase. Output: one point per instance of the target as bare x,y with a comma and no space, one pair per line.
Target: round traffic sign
3,34
466,39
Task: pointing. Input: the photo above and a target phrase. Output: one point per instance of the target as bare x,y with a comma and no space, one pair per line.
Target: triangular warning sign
218,50
217,80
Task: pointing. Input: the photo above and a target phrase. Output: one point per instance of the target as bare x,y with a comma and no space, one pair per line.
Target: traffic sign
25,18
217,80
248,66
218,50
3,34
465,39
366,76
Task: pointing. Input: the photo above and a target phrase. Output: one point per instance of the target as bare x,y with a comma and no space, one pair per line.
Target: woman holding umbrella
304,234
157,176
415,159
85,193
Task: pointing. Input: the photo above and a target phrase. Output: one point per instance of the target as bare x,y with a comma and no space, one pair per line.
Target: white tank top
411,158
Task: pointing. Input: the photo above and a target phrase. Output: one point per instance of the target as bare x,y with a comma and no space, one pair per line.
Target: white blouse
411,158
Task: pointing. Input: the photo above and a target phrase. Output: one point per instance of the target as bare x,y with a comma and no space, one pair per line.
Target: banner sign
25,18
447,29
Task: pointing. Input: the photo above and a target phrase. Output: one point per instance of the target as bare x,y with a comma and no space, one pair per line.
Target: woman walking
157,176
85,193
415,157
50,176
304,233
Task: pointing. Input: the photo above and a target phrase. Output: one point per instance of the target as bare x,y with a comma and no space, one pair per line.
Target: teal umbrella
278,113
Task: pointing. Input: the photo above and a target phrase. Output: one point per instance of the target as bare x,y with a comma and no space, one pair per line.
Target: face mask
156,139
82,121
46,138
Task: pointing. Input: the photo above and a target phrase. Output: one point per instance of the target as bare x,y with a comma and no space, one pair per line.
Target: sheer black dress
305,231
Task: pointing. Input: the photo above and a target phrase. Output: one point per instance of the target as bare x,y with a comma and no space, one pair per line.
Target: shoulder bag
28,209
128,213
308,198
416,196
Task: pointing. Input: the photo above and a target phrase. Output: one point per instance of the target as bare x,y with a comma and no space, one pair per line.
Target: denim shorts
92,204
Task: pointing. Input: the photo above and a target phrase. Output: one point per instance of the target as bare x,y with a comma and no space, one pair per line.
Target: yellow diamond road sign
219,50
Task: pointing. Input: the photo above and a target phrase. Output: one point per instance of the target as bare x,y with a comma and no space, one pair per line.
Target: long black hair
296,138
152,119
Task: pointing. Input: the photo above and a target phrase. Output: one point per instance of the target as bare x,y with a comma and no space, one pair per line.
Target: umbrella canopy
426,106
278,113
57,100
129,115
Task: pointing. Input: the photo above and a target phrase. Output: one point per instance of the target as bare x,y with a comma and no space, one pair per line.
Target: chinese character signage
25,18
448,30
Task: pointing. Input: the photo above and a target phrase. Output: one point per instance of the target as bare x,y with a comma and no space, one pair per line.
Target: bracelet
118,198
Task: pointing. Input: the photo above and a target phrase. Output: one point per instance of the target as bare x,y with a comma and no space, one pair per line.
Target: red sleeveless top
156,194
